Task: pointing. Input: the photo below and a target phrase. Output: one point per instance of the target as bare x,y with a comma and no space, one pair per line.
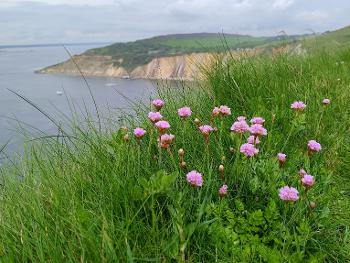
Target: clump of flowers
248,150
184,112
308,181
258,130
241,118
314,146
326,101
298,105
215,112
165,140
240,126
281,158
194,178
154,116
162,126
257,120
158,104
225,110
139,133
288,194
223,190
253,140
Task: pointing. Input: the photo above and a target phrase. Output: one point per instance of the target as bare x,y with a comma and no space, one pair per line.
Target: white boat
59,93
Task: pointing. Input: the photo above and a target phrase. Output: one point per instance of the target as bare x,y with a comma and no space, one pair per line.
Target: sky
77,21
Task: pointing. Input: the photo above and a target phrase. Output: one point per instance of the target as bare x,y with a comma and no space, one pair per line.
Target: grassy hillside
132,54
106,196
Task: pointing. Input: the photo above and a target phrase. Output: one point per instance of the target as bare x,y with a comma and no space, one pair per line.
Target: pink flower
253,140
194,178
154,116
302,172
184,112
216,112
139,132
223,190
308,180
314,146
240,127
206,129
326,101
248,150
257,120
224,110
162,125
287,193
165,140
241,118
158,104
258,130
298,105
281,157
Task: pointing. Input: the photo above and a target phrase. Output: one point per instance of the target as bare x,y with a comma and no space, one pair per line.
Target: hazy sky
63,21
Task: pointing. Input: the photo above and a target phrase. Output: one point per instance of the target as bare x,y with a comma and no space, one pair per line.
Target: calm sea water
17,67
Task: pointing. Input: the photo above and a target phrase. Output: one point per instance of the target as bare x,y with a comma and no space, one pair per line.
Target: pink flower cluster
223,190
194,178
162,126
155,116
308,180
158,104
165,140
248,150
184,112
206,129
223,110
258,130
298,105
139,133
288,194
282,158
257,120
314,146
240,126
326,101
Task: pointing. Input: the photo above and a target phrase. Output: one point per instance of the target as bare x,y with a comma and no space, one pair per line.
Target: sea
21,88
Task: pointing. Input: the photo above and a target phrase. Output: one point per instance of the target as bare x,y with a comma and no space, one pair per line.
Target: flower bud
125,129
312,205
232,150
126,137
181,152
197,121
223,158
221,168
183,164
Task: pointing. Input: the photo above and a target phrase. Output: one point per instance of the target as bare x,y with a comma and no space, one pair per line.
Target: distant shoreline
53,45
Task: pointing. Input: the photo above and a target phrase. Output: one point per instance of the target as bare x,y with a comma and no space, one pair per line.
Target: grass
91,196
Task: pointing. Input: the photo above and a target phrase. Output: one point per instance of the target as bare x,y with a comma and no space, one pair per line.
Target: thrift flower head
216,111
223,190
314,146
206,129
326,101
281,157
258,130
248,150
194,178
257,120
139,132
165,140
158,103
308,180
240,127
241,118
287,193
184,112
224,110
155,116
253,140
298,105
162,125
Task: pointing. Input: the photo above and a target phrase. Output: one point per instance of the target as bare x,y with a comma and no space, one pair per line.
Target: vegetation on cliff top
132,54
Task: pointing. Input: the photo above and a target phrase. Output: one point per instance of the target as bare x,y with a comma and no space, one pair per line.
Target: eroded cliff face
185,67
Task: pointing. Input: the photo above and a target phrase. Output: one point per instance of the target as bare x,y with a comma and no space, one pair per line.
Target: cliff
185,67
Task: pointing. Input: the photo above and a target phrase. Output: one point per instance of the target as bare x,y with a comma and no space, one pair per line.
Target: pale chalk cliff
185,67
